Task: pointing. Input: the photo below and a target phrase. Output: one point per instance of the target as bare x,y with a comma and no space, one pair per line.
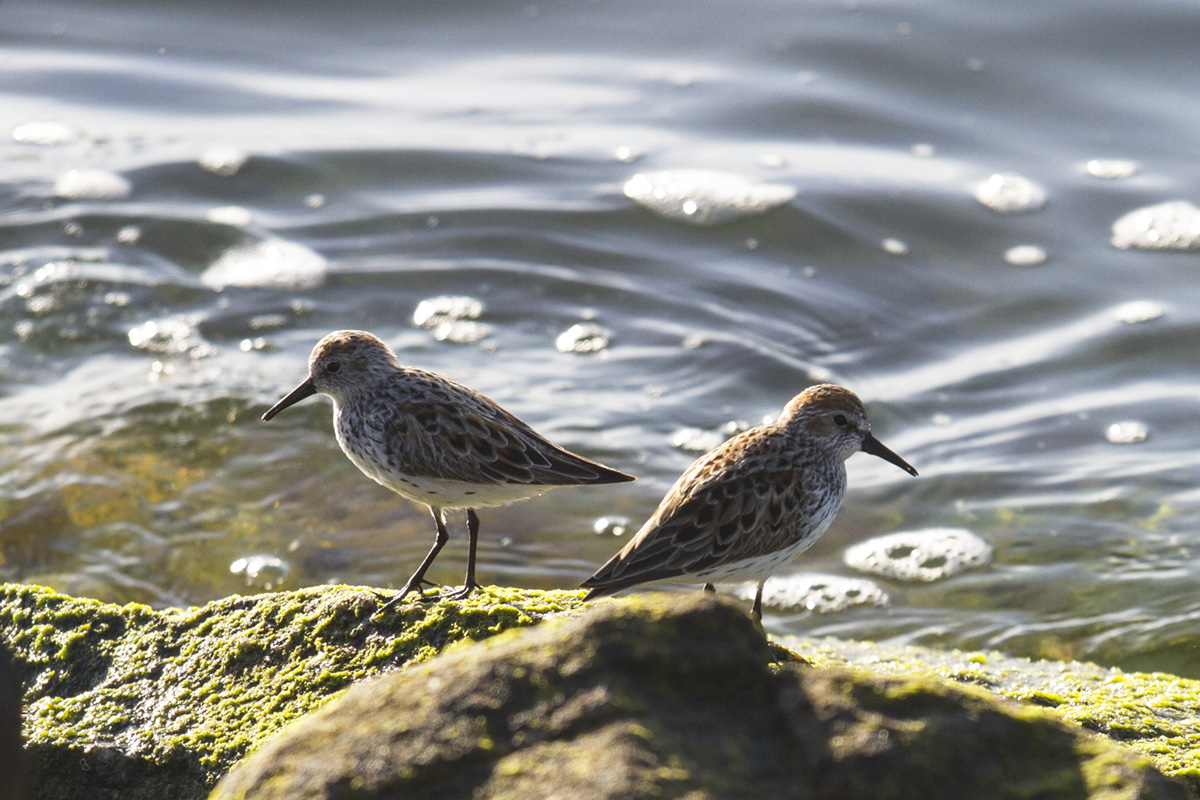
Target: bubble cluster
45,132
1167,226
223,161
823,594
435,311
705,197
262,572
583,338
270,264
1009,193
1136,311
922,555
1025,255
168,336
1127,432
92,184
1110,168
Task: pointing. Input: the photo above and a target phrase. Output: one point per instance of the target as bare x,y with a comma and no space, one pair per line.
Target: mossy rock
676,697
129,702
1155,714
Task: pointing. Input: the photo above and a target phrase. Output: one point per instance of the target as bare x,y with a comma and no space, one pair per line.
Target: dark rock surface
676,697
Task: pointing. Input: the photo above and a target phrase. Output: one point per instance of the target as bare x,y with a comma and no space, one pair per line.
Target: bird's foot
409,588
464,592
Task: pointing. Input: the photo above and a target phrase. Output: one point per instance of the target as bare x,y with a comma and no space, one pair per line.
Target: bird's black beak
870,445
302,391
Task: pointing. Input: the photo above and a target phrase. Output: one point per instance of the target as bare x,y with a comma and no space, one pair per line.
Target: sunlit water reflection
980,219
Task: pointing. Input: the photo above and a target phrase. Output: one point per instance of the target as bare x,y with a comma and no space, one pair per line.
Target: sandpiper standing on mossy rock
753,504
433,441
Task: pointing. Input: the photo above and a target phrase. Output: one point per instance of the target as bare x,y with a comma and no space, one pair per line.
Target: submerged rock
675,697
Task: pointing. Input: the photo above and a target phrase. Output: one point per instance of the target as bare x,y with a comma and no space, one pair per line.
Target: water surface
194,194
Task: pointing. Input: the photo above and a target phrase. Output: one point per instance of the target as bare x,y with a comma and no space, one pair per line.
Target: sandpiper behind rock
753,504
433,441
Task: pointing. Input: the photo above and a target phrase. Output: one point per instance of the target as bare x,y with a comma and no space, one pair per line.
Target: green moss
191,691
703,716
1156,715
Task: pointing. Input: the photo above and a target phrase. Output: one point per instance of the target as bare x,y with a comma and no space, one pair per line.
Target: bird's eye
333,366
840,420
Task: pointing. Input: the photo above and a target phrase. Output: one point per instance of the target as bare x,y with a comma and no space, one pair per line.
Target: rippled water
193,195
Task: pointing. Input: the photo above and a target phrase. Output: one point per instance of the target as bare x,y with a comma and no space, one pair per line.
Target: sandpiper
753,504
433,441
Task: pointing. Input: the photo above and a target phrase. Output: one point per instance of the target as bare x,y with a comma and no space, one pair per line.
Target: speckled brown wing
462,435
738,502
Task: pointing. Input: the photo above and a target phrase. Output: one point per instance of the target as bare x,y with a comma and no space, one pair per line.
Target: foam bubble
1127,432
1136,311
1167,226
462,331
1110,168
223,161
1009,193
583,338
705,197
45,132
168,336
824,594
270,264
435,311
92,184
1025,255
922,555
234,216
261,571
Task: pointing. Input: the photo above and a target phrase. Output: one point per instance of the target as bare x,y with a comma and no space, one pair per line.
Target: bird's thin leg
418,577
473,541
708,587
757,610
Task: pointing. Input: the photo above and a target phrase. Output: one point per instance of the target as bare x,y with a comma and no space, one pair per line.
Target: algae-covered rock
675,697
1156,714
128,702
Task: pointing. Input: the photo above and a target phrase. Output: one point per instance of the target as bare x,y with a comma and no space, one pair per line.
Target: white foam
92,184
261,571
1025,255
1010,193
1136,311
583,338
1110,168
921,555
269,264
45,132
223,161
1167,226
705,197
1127,432
824,594
435,311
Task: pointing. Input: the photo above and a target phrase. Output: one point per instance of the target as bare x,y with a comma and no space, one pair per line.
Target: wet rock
672,695
675,697
125,702
14,769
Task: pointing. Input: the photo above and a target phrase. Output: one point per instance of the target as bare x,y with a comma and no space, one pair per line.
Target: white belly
440,493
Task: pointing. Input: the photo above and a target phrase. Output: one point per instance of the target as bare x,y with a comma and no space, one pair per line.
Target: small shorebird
433,441
753,504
